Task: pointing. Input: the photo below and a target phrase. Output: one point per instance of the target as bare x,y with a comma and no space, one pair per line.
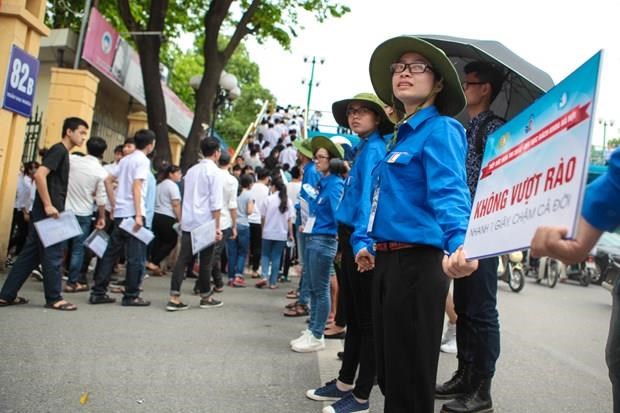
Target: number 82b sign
21,79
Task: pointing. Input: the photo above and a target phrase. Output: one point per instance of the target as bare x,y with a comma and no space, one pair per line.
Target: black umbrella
524,82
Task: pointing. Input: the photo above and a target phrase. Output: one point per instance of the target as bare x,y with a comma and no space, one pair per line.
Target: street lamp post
311,82
605,123
227,91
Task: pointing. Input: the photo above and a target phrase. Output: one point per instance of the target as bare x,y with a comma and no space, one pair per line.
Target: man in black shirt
51,180
475,297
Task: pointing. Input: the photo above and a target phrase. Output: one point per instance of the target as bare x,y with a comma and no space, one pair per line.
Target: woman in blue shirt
420,208
321,244
364,114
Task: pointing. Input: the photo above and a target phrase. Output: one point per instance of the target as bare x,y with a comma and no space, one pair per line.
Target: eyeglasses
319,157
465,84
360,111
415,67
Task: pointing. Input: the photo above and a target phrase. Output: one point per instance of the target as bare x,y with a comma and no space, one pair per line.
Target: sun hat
450,101
346,145
304,147
334,149
370,100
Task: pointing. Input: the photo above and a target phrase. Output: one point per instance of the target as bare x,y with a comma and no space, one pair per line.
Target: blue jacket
311,177
421,184
325,206
354,209
601,204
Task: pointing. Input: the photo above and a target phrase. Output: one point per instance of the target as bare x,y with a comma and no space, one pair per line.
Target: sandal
75,288
292,295
61,305
300,310
291,305
16,301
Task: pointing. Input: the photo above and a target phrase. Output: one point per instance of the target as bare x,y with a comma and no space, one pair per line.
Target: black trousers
409,297
477,325
21,231
256,239
165,237
356,295
185,258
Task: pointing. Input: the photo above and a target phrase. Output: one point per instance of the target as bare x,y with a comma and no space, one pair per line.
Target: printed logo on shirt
395,156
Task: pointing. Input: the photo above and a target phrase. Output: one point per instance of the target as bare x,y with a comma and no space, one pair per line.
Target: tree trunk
148,49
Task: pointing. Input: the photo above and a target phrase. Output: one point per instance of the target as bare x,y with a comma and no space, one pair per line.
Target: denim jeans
304,283
238,251
30,257
78,249
136,260
477,326
612,350
321,253
271,251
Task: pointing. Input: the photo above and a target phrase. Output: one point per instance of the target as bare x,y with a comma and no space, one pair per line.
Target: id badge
373,209
309,225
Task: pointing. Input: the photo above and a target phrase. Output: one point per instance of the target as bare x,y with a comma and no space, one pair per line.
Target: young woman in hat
364,114
420,208
321,243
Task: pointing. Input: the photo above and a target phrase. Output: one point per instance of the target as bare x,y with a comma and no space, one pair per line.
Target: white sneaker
448,341
309,344
304,333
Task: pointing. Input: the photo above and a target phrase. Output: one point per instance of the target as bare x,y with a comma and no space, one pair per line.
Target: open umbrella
524,82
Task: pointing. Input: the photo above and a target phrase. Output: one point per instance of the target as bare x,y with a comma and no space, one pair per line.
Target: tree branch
242,29
128,19
159,8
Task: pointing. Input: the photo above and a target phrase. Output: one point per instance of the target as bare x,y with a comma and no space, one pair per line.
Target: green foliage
613,143
234,120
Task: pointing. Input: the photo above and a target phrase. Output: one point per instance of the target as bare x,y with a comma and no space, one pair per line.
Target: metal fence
113,132
31,138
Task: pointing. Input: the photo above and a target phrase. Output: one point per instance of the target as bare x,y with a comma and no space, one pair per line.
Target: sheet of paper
143,234
304,209
54,230
97,242
309,225
203,236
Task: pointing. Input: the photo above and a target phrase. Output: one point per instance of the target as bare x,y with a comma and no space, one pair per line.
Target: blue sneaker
348,404
327,392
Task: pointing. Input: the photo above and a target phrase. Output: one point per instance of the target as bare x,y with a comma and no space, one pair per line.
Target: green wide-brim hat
303,146
450,101
334,149
339,110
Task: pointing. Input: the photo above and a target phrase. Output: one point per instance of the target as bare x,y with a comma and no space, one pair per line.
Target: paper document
203,236
143,234
97,242
309,225
54,230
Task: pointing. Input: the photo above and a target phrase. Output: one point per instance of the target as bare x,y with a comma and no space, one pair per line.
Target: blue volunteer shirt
354,209
420,186
325,206
311,177
601,204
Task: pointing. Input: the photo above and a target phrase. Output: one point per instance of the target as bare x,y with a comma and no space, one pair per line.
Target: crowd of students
387,216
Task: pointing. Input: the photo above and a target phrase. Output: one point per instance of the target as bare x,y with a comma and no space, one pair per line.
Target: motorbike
510,271
542,269
582,272
609,269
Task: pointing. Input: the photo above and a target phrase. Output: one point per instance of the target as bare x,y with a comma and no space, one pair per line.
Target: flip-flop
298,311
16,301
67,306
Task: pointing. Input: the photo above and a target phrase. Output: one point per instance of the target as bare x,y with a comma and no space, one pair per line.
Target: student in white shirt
228,222
167,213
86,178
259,192
203,188
276,211
127,202
23,204
289,155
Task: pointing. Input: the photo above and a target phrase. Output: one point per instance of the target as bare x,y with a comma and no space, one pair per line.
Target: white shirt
259,192
86,177
110,169
22,197
289,156
167,191
131,168
292,191
202,194
272,135
229,199
276,222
